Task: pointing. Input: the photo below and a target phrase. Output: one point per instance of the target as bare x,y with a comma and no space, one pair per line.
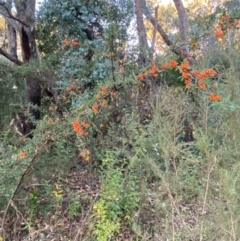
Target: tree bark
154,32
142,36
23,23
10,57
26,14
11,35
12,40
183,28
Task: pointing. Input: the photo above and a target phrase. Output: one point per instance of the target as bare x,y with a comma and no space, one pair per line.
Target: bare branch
159,27
182,49
153,22
6,12
10,57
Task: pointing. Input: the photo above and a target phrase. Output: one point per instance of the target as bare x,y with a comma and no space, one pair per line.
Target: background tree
182,48
23,23
142,36
95,34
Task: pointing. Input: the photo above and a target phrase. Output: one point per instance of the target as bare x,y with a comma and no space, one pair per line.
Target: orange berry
22,154
184,67
219,34
188,83
95,108
214,97
173,63
104,103
68,89
66,41
85,124
74,43
223,18
153,70
104,90
164,66
113,94
141,76
186,75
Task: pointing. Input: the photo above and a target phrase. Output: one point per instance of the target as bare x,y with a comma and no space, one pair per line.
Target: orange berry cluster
225,23
80,128
187,73
171,64
214,97
73,88
101,98
201,75
95,108
22,155
68,42
154,70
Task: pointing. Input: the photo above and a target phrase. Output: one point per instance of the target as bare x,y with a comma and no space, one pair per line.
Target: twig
84,219
207,185
206,193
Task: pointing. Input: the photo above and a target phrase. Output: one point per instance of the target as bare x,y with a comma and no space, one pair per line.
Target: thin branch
153,21
159,27
10,57
9,15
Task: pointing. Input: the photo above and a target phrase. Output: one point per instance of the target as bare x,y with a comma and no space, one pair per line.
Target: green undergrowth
124,162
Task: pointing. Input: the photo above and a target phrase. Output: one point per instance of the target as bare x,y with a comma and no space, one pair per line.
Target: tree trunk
26,14
11,35
12,40
149,16
142,36
23,23
154,33
183,28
